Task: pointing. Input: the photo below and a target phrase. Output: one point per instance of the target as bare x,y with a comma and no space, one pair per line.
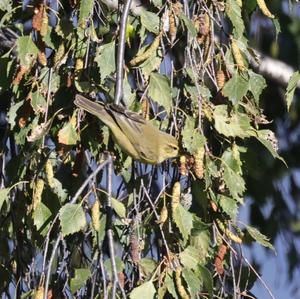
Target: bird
136,136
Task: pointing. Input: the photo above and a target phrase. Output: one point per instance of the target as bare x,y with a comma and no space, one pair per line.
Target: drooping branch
121,51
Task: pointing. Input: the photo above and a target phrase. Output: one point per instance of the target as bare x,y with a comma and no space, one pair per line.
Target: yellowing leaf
68,134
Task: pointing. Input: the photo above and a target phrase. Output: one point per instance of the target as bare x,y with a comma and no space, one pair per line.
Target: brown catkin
22,122
39,293
198,162
175,197
263,7
237,55
121,278
49,173
213,206
147,54
37,193
42,59
220,258
183,166
37,18
21,72
95,213
221,78
204,24
45,21
180,288
145,108
172,27
228,233
134,247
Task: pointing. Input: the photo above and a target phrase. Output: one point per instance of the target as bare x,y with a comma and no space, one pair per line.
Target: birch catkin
263,7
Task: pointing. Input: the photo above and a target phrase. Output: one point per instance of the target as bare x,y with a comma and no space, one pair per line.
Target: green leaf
27,50
160,91
193,281
229,206
145,291
184,221
4,196
190,257
188,24
6,5
105,59
72,218
12,113
169,282
277,27
41,216
200,238
119,265
150,21
191,137
234,182
58,189
257,84
81,275
4,193
207,279
38,102
150,65
231,157
118,207
291,89
157,3
234,13
85,11
262,137
259,237
148,265
235,125
236,88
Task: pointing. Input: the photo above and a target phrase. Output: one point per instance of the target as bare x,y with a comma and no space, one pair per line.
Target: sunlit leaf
184,221
27,50
72,218
150,21
259,237
145,291
290,90
80,277
105,59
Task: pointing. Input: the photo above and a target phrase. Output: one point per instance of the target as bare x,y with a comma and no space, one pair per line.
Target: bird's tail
94,108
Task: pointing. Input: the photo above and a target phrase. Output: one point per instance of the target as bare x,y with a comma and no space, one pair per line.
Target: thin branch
157,218
259,277
121,51
110,237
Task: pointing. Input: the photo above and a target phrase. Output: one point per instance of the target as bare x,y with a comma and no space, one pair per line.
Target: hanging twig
75,197
109,232
121,51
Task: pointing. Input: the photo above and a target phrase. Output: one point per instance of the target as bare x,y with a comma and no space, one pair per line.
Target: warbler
137,137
